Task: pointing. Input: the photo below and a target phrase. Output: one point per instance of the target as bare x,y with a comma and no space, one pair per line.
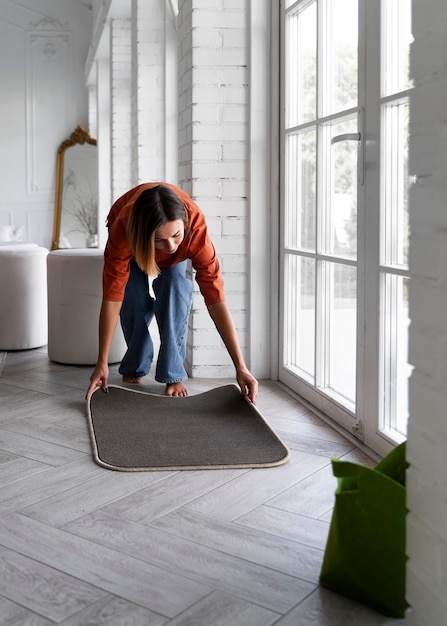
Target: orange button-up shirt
196,246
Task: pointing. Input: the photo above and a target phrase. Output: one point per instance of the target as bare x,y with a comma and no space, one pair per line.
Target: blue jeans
171,307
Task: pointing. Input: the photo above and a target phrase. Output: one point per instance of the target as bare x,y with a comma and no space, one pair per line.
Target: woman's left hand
248,385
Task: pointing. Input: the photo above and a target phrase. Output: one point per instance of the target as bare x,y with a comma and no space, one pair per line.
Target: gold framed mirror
76,200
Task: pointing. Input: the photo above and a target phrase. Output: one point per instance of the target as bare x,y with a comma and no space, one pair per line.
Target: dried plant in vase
83,208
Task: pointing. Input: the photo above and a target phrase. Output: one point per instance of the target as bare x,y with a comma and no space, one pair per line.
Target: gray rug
218,429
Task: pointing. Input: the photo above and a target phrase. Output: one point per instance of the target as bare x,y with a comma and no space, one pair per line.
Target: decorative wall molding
47,23
49,84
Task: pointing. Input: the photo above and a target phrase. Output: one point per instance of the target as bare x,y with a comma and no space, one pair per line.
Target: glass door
319,249
344,234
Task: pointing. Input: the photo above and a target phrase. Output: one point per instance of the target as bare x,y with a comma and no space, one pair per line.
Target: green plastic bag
365,557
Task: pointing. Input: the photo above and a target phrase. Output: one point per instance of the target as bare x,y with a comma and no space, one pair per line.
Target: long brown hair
153,208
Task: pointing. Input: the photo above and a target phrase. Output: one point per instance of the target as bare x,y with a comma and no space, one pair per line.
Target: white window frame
371,337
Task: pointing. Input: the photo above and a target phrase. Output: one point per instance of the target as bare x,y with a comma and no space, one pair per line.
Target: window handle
355,137
346,137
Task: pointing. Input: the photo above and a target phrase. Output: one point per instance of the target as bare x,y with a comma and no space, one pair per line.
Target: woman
153,230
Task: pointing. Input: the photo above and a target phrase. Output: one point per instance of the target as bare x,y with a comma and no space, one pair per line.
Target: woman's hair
153,208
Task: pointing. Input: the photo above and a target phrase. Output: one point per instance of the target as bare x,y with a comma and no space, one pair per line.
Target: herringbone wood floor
82,545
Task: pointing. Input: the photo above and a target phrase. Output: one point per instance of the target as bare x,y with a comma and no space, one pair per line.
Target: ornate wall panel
49,74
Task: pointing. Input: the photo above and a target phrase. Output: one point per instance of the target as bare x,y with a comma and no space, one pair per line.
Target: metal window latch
361,148
346,137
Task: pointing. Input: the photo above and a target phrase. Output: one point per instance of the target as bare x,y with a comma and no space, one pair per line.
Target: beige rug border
175,468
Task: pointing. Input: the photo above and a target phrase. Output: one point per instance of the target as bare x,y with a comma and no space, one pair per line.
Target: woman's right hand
108,319
98,379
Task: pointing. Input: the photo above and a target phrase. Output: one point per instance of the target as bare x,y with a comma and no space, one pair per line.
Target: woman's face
169,236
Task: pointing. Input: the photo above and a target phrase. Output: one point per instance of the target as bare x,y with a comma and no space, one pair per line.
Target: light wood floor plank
314,445
45,407
38,383
256,487
113,611
300,528
15,399
258,547
330,609
42,485
39,588
177,490
317,430
271,589
37,450
221,609
127,577
273,401
17,468
81,499
14,615
51,433
66,377
313,497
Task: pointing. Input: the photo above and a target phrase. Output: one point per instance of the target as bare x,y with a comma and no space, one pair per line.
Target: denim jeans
171,307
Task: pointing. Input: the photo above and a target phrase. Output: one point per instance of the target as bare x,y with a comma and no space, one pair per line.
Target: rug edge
189,468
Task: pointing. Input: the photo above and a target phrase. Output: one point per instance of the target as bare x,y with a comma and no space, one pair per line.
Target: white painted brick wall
213,168
213,134
148,93
138,125
427,436
121,98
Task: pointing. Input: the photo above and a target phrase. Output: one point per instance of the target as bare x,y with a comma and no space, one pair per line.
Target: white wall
43,47
427,438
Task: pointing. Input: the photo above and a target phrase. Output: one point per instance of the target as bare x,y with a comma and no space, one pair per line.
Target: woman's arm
108,319
223,321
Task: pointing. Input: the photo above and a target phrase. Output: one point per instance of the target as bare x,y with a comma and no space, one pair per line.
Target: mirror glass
76,202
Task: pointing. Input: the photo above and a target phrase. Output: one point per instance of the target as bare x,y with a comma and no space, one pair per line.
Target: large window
394,88
344,246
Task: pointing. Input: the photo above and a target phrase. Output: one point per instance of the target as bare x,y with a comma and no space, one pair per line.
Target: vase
92,241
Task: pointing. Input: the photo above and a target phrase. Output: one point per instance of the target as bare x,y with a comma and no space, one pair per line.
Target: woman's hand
98,379
221,317
248,384
108,319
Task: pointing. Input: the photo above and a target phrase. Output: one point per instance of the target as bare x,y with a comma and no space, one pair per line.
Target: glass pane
340,198
340,51
395,369
299,314
301,79
300,201
397,39
396,179
340,328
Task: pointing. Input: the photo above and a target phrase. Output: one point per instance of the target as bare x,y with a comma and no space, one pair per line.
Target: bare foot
135,381
177,390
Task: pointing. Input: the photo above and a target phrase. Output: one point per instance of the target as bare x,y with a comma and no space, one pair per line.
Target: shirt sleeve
205,260
117,256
